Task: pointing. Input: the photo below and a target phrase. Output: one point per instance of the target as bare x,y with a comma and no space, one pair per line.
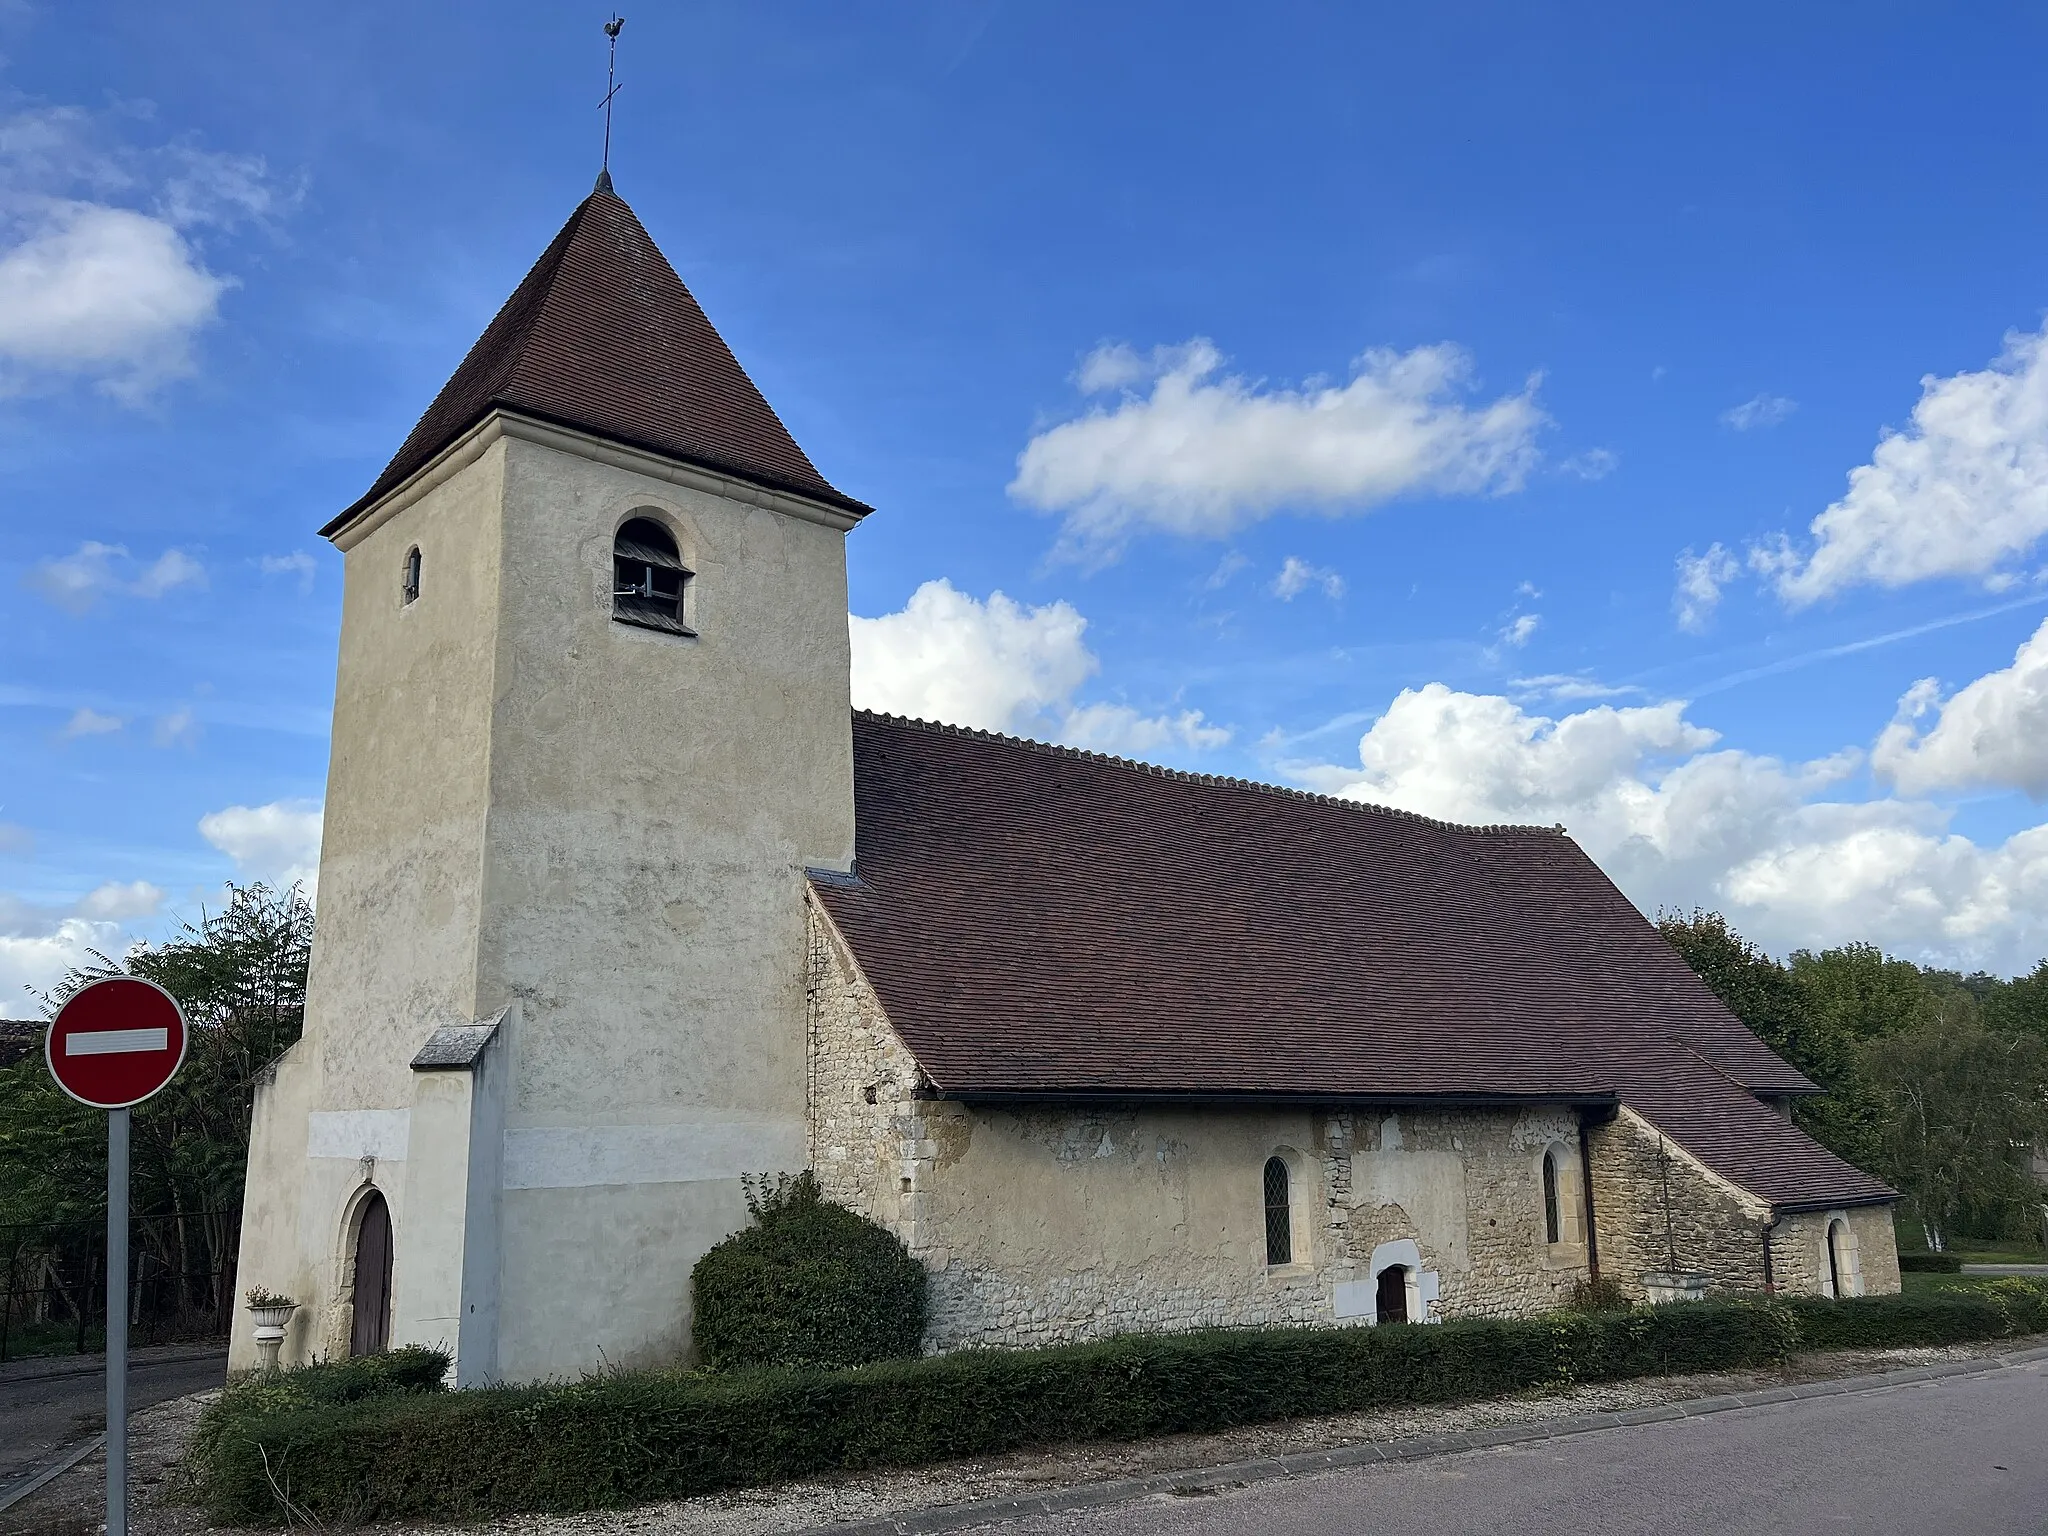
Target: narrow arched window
1553,1222
409,584
1279,1215
650,585
1838,1259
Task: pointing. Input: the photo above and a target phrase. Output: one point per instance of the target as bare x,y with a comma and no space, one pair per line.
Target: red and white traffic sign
116,1042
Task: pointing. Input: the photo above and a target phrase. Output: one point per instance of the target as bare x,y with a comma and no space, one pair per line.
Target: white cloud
1678,820
1002,666
34,955
89,722
1226,571
1205,453
1700,580
180,728
40,942
1961,491
1570,687
278,842
1520,630
1124,732
104,292
171,569
298,563
1592,464
1297,576
77,581
100,278
116,903
1760,411
1992,734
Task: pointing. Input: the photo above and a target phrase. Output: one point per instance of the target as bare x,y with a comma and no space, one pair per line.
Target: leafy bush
621,1439
1994,1309
1601,1295
809,1284
1931,1263
325,1383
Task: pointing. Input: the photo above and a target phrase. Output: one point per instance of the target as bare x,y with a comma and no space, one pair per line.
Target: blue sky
1590,416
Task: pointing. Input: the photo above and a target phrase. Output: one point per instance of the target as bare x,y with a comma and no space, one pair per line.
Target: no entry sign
116,1042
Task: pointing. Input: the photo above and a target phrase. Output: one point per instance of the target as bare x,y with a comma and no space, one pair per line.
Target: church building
621,901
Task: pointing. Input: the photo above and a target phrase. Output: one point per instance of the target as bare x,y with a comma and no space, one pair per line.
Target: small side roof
603,336
1044,922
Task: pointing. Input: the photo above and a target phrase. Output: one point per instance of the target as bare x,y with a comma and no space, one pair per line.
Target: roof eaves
1301,1100
343,520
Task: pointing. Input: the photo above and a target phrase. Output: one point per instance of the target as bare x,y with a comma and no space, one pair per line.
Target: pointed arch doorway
370,1327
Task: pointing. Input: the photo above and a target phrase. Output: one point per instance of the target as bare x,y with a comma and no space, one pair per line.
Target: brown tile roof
603,336
1042,921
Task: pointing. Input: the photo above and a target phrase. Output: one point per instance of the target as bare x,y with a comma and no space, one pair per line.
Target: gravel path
70,1506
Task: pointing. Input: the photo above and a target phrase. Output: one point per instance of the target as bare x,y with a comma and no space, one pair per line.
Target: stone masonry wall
1043,1225
1799,1252
1707,1224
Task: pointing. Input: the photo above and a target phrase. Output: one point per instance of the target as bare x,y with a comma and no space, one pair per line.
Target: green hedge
1931,1263
1990,1310
621,1439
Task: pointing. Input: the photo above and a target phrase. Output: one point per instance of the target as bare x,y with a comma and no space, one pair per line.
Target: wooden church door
1391,1297
371,1331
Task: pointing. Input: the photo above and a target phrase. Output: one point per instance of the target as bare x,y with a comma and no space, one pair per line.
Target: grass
1928,1285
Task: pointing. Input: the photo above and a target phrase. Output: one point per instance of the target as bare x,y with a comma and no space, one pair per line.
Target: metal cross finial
611,80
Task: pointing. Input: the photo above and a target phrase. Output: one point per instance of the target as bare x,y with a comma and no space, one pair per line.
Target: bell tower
592,723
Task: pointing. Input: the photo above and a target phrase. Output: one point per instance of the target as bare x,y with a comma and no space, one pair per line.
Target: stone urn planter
272,1314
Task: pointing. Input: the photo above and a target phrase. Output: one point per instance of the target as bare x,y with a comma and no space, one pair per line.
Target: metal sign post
115,1042
117,1322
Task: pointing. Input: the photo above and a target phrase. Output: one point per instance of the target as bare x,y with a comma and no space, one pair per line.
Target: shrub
325,1383
1601,1295
620,1439
809,1284
1931,1263
1994,1309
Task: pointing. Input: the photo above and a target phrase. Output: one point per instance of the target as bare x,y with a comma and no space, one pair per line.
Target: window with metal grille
650,585
1279,1219
1553,1224
409,585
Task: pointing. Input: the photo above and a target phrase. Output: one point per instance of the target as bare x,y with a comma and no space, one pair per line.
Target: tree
240,976
1963,1106
2021,1005
1859,992
1769,999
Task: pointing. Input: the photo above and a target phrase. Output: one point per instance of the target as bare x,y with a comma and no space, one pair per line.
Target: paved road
1967,1455
39,1415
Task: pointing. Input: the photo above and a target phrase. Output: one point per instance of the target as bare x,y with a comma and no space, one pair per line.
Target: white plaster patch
722,1147
1354,1298
359,1133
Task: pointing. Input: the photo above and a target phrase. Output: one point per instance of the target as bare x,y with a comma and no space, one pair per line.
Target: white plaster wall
394,950
653,802
528,802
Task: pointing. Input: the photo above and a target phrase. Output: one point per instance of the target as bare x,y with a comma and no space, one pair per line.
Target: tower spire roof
602,336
